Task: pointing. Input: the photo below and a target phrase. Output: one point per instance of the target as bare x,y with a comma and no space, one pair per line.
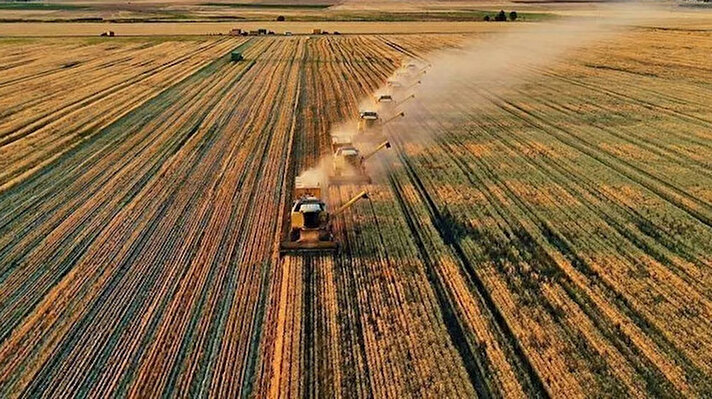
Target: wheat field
551,238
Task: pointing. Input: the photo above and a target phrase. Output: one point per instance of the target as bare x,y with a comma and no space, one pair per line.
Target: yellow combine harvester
371,125
384,99
402,85
310,222
349,166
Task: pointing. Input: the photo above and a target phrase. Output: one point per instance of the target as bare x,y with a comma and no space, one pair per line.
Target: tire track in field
607,327
532,380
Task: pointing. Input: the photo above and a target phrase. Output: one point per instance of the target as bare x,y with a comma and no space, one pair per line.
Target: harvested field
55,95
551,238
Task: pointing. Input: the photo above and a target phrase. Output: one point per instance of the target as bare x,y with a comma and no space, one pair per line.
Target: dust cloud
486,64
502,61
317,176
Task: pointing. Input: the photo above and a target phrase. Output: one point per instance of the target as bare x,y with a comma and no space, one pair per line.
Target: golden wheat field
537,229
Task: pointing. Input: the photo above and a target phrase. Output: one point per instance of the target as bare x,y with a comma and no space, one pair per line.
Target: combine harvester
388,103
401,86
370,125
349,166
394,84
384,99
310,222
413,71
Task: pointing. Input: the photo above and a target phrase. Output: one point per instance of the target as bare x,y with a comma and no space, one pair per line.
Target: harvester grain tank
310,222
349,165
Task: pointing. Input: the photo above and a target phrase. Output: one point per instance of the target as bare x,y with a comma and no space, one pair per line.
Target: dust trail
493,64
317,176
504,61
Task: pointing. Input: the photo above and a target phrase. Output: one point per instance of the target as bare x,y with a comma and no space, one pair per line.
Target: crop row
144,248
55,98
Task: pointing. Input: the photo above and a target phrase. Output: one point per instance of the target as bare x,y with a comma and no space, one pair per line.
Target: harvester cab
350,165
310,223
